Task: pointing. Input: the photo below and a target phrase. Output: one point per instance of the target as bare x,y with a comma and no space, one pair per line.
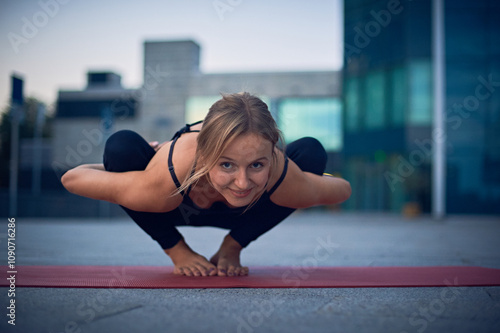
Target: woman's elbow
70,181
347,190
66,180
344,192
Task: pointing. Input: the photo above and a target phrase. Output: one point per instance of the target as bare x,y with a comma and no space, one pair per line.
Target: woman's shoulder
279,172
286,193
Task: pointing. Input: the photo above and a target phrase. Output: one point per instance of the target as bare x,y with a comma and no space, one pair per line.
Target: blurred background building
375,118
174,92
388,111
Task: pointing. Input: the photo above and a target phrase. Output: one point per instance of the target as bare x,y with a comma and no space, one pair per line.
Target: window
320,118
352,104
375,100
420,93
197,107
399,93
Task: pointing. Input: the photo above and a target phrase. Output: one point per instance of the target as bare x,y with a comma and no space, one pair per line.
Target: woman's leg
128,151
308,153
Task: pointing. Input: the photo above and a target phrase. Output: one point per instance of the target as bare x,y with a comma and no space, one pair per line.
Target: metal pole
439,129
37,151
14,160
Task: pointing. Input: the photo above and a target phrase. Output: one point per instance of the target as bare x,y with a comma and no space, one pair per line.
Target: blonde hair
228,118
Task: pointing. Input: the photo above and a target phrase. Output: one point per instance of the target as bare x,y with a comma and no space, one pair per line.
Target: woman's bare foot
227,259
189,263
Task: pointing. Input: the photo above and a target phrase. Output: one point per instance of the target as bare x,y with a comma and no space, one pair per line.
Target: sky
52,44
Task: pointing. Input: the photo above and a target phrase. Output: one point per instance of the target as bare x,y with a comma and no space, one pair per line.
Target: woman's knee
126,150
309,154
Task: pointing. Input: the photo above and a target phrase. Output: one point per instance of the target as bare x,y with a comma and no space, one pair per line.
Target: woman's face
243,170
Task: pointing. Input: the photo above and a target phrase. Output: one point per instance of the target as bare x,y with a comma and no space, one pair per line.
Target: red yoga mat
154,277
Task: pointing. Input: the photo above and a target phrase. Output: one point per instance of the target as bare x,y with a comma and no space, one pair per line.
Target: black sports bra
187,129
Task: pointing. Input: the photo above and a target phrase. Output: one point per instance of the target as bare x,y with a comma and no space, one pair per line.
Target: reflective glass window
420,93
197,107
320,118
375,100
352,104
398,96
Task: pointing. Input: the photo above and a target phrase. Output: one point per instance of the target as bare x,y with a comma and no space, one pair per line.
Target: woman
226,172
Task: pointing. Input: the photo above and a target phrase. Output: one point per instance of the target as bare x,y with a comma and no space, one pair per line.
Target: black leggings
128,151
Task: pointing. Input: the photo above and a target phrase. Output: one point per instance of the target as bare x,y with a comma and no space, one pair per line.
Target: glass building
388,95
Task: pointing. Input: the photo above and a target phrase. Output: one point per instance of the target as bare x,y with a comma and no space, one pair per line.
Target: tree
26,131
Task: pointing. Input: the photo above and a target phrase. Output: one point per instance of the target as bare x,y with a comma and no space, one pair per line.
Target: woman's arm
146,190
304,189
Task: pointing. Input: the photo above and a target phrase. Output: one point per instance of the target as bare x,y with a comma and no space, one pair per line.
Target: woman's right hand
189,263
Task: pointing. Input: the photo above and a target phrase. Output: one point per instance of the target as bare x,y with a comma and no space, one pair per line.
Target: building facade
388,109
175,92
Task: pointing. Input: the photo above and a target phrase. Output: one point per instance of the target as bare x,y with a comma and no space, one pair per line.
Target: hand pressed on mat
227,259
226,262
189,263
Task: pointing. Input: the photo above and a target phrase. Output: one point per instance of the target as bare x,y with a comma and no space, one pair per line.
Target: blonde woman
227,171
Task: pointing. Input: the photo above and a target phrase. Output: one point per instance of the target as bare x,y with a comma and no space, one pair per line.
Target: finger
187,271
230,271
195,271
221,270
206,268
202,269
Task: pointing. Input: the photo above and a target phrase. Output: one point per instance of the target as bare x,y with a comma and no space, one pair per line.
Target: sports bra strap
280,180
171,165
185,129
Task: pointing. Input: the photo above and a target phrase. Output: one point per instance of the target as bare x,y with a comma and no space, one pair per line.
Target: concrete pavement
355,240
